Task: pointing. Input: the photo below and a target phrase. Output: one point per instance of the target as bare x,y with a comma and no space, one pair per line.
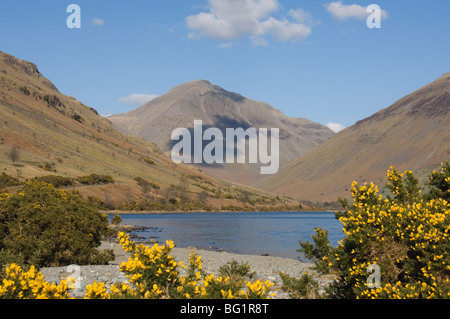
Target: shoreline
265,267
121,256
126,212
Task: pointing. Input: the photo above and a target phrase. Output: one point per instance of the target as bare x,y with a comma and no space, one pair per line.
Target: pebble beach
265,267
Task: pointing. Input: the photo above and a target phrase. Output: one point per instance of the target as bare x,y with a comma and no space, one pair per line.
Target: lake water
273,233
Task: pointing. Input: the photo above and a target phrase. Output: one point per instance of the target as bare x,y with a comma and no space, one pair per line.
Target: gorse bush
440,183
233,269
317,251
406,236
56,180
6,181
47,166
153,273
116,220
20,284
62,181
305,287
94,179
163,204
43,226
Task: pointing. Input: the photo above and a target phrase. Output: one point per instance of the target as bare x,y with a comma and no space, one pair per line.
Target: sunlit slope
217,107
413,134
56,134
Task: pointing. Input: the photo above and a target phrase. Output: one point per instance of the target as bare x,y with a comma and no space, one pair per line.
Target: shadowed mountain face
412,134
216,107
56,134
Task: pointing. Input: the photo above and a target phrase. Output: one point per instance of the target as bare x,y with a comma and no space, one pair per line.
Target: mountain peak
202,87
201,81
221,109
195,83
445,77
22,67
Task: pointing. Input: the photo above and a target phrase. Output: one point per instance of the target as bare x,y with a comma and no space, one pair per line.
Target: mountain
55,134
412,134
216,107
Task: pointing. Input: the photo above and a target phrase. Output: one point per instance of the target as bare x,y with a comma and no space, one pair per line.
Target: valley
58,136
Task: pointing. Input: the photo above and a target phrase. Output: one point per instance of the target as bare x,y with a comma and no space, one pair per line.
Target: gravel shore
265,267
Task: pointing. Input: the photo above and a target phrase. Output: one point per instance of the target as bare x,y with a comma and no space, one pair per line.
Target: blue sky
308,58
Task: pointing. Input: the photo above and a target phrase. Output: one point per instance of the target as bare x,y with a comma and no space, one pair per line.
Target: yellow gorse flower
20,284
410,234
152,273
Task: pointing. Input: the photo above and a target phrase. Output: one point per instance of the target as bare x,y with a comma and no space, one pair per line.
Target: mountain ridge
411,134
217,107
56,134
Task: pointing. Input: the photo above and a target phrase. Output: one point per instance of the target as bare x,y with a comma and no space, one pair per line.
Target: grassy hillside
412,134
55,134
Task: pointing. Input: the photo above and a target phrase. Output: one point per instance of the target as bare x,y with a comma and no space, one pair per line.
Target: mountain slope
413,134
216,107
56,134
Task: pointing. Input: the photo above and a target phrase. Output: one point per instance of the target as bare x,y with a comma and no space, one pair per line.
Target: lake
273,233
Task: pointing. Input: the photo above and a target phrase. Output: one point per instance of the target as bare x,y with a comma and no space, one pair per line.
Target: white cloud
137,99
258,41
343,11
225,45
336,127
284,30
300,15
233,19
98,22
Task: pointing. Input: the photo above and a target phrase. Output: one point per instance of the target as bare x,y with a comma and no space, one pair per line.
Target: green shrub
77,117
154,274
439,183
319,251
56,180
97,203
306,287
6,181
148,160
116,220
43,226
403,238
236,270
47,166
24,90
94,179
145,184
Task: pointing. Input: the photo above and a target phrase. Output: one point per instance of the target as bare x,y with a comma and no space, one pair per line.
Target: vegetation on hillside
59,181
6,181
44,132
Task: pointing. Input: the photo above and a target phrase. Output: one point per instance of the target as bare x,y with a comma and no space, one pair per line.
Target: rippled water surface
272,233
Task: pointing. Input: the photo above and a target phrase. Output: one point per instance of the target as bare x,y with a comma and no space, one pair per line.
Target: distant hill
216,107
412,134
55,134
